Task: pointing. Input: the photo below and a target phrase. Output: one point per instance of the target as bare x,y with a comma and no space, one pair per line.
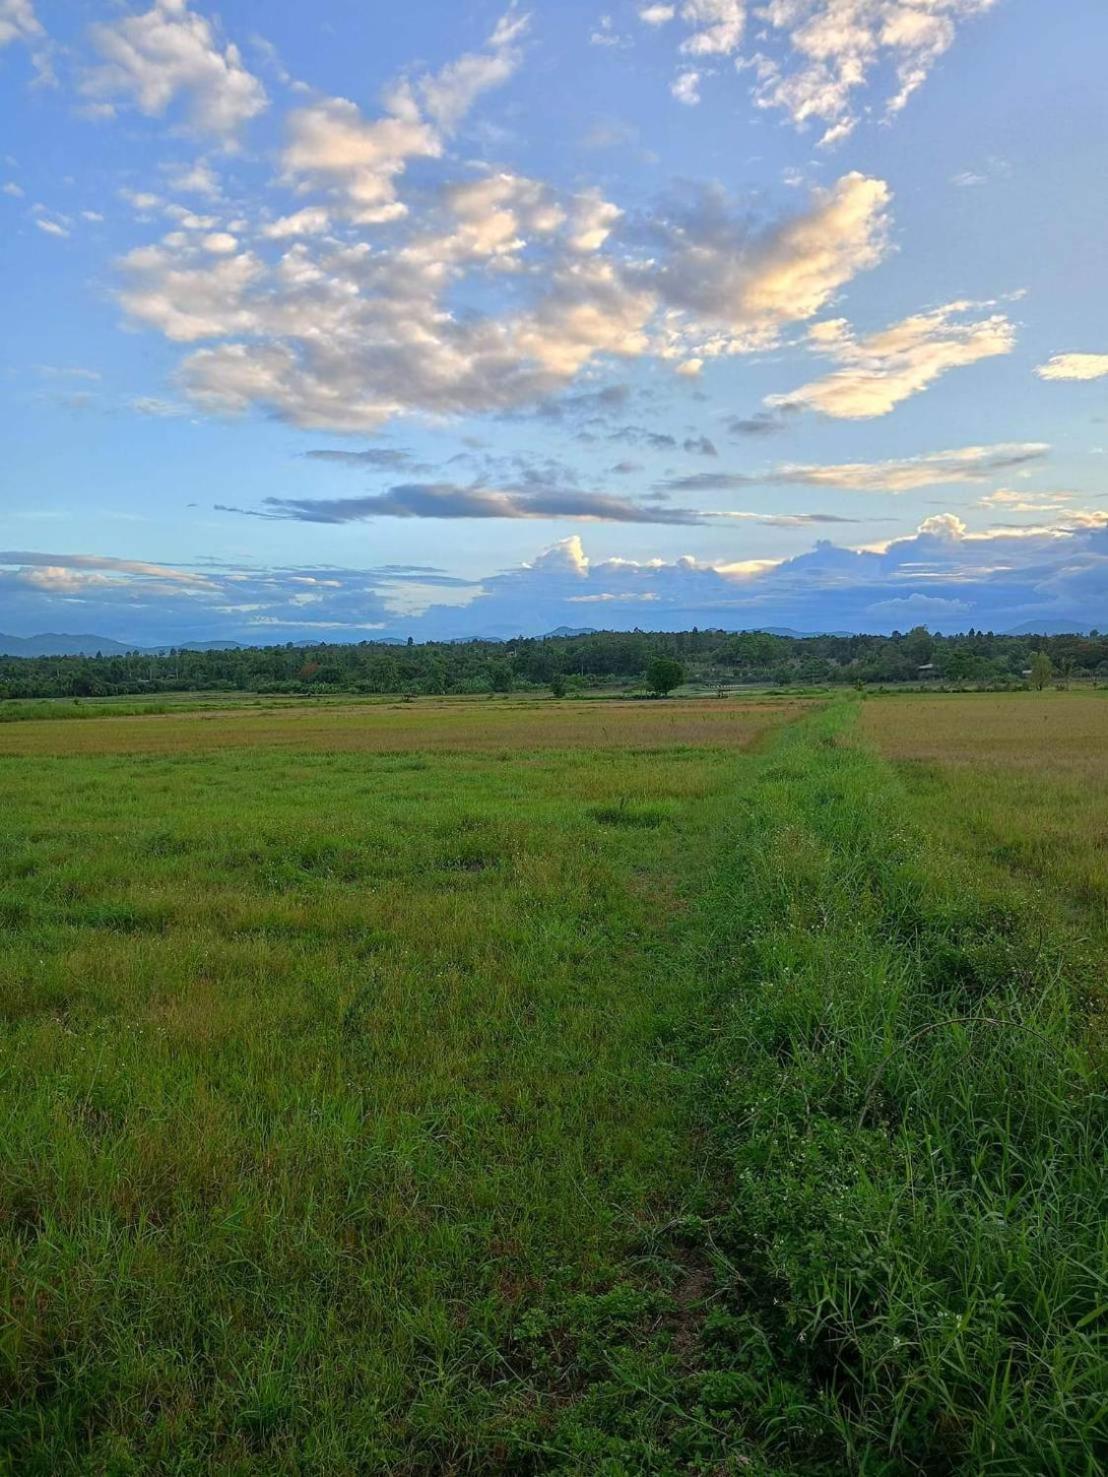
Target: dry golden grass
1057,732
425,725
1018,781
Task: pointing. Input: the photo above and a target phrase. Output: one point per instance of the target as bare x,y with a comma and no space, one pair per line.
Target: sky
466,318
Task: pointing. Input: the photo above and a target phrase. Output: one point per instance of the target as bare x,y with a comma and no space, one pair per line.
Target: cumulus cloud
313,220
685,87
345,334
903,474
357,161
916,610
943,574
715,26
195,178
168,53
885,368
657,15
333,147
1074,367
739,286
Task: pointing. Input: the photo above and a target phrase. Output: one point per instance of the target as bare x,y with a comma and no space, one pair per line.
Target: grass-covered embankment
895,1261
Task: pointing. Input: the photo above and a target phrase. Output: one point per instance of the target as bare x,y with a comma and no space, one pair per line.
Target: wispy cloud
883,369
901,474
810,59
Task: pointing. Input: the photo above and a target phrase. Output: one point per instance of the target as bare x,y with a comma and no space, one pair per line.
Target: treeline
567,663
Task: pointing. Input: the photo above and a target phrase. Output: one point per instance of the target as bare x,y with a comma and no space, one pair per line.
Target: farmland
515,1086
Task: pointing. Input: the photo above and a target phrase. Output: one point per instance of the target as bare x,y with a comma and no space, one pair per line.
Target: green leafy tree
1042,670
663,674
501,677
557,685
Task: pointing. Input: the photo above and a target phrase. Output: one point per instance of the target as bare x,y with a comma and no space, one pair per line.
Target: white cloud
1006,500
593,218
901,474
187,296
567,556
908,474
313,220
832,48
219,243
716,25
332,148
142,200
170,52
743,286
197,178
685,87
52,228
944,574
345,334
814,56
52,564
18,22
1074,367
450,93
915,610
885,368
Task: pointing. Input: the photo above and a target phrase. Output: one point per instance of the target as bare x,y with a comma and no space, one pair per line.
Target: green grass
615,1111
316,1069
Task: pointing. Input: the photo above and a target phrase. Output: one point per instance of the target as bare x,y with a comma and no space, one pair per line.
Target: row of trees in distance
571,663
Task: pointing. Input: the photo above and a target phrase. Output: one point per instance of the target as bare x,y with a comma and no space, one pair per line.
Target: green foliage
599,659
1042,670
663,674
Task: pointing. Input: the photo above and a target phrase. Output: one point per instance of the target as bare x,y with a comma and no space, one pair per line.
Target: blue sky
452,319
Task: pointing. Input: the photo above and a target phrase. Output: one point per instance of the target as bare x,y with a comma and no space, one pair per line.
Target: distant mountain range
55,644
1048,628
60,644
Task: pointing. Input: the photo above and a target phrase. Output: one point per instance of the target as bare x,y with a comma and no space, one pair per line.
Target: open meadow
514,1086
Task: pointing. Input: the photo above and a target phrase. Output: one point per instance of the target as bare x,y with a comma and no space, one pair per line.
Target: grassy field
524,1086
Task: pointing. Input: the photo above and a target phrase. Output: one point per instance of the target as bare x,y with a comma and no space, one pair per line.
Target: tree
663,674
557,685
501,678
1041,670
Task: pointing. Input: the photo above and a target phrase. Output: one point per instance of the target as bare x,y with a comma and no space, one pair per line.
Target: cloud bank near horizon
942,575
